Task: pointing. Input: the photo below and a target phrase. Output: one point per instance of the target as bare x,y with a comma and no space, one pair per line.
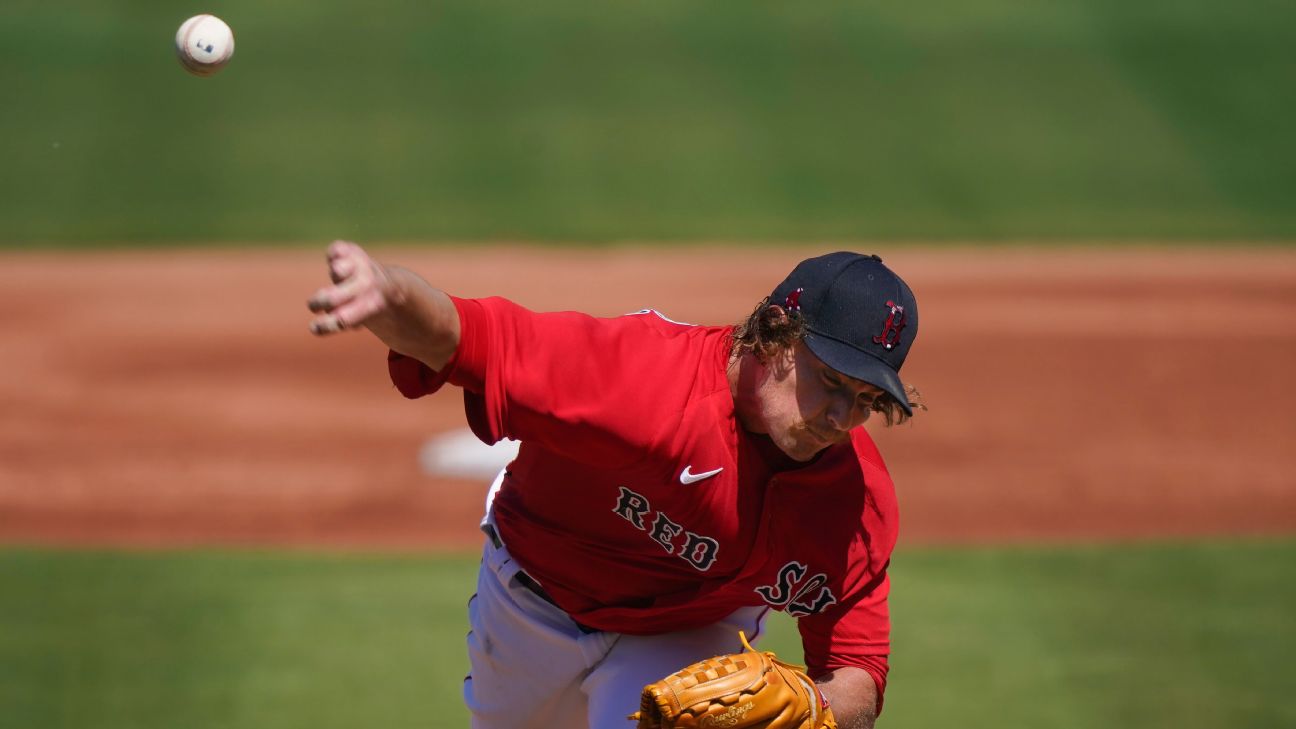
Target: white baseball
204,44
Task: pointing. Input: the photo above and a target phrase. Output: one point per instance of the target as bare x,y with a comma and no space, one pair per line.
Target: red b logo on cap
793,300
895,323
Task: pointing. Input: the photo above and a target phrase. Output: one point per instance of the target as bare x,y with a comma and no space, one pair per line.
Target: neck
744,373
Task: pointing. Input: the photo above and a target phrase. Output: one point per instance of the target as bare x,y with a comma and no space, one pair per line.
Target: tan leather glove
749,689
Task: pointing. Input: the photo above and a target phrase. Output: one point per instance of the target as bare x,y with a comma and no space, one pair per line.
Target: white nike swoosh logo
687,478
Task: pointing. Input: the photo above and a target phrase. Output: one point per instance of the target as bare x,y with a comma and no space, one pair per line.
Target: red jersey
641,505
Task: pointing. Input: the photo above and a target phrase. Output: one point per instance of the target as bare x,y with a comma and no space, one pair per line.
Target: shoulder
655,325
644,322
654,318
881,513
643,360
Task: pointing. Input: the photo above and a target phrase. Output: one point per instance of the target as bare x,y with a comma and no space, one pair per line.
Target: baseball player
674,484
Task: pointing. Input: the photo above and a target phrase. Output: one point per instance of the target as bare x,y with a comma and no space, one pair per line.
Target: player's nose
839,414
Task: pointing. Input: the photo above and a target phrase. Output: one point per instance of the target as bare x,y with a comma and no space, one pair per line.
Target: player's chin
802,445
806,455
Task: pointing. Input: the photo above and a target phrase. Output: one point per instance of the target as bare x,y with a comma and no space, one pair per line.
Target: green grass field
1149,636
578,121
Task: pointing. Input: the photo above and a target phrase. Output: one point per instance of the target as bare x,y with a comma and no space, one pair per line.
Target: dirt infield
169,398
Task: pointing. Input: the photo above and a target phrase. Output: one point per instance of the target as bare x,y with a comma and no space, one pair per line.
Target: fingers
331,297
355,294
326,325
360,309
348,315
344,259
340,269
340,247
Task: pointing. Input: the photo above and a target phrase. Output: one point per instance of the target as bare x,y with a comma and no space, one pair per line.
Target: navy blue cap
860,317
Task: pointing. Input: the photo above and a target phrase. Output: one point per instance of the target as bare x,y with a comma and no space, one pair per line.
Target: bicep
587,388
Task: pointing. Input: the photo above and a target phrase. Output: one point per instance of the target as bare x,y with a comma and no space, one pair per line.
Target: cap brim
862,366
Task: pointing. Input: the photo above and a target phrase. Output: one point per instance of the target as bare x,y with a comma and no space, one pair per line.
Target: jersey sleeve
857,630
583,387
857,633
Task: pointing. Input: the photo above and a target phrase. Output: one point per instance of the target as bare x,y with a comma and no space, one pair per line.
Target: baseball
204,44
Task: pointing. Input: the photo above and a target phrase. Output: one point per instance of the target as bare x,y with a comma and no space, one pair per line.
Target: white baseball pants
532,666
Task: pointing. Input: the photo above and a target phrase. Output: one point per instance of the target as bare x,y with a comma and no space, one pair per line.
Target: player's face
806,406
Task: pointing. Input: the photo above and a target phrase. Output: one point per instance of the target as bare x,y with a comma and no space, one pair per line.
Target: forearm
420,320
852,695
407,313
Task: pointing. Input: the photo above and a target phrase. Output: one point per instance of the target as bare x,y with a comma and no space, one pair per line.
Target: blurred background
572,122
209,519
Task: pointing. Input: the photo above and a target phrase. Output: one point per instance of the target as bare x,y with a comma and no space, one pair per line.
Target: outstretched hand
361,289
